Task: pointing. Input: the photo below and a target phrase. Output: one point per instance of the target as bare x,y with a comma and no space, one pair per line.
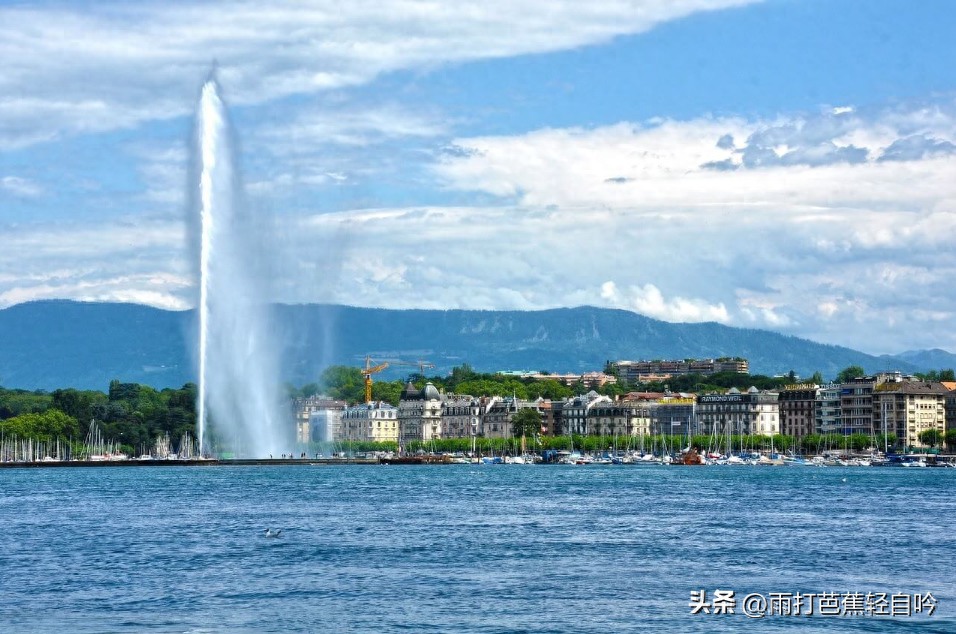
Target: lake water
464,548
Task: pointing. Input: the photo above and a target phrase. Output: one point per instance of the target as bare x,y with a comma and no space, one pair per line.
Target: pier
233,462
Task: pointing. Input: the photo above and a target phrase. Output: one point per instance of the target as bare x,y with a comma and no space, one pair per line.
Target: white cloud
134,259
623,216
648,300
681,164
112,66
349,127
21,187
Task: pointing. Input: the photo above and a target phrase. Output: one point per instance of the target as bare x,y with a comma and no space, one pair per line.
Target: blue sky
781,164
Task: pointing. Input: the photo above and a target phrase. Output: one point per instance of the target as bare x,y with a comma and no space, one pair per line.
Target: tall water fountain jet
238,382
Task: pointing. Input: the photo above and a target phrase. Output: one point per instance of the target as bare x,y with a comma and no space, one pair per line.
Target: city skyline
775,164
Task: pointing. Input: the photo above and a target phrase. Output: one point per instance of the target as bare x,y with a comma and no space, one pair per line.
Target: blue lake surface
464,548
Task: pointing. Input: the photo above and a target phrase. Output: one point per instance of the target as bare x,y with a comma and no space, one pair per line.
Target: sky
777,164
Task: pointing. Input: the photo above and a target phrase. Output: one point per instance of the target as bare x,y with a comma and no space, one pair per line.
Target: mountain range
60,343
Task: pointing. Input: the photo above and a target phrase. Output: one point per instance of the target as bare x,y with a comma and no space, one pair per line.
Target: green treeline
129,414
811,444
346,383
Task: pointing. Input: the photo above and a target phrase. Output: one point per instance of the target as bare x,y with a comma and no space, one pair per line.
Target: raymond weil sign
721,398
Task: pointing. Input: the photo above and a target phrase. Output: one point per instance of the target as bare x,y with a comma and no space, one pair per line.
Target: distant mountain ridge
934,358
60,343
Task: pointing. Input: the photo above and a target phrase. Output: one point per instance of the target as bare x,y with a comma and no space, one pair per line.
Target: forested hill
52,344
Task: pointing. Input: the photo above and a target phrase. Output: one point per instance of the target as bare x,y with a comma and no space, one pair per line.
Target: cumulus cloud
823,160
126,63
648,300
824,236
916,147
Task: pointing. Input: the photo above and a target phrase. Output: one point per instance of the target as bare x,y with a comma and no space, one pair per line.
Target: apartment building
736,412
827,410
575,414
619,418
798,410
639,371
909,408
856,401
377,422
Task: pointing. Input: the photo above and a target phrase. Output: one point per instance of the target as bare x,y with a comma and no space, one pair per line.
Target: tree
388,391
72,403
850,372
811,442
881,441
931,437
527,422
344,383
782,443
817,378
461,373
951,439
859,442
46,426
947,375
550,389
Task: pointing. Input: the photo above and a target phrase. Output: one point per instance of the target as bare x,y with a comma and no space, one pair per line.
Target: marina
567,458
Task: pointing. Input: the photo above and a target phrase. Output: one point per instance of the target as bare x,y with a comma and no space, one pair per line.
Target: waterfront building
951,410
798,410
674,414
827,410
317,418
641,371
460,417
736,412
551,417
856,401
419,414
574,416
910,408
496,415
376,422
668,413
619,418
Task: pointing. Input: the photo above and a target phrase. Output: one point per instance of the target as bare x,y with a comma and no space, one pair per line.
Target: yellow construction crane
368,372
370,369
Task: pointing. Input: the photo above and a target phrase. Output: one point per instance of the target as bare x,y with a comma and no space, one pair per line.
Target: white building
377,422
736,412
419,414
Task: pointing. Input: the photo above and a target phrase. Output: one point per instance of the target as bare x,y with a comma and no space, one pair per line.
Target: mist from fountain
238,401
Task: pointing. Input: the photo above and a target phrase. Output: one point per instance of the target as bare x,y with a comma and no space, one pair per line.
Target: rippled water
462,548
